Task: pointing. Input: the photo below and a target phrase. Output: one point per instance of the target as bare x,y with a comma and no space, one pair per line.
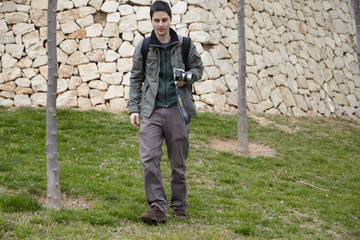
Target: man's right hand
135,119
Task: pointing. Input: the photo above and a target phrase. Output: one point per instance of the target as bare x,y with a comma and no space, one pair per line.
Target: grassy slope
230,196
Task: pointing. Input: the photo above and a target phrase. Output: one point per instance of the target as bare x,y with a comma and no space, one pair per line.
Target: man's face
161,23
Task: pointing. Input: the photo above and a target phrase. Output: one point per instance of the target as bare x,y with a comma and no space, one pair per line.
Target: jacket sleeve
136,80
195,64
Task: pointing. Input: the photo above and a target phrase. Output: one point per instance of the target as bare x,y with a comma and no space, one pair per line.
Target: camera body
181,75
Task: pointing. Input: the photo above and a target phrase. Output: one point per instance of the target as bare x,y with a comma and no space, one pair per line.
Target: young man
153,97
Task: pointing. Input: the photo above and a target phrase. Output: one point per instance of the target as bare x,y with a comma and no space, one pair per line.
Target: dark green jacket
145,89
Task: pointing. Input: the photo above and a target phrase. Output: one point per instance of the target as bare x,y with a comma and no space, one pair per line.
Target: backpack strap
145,50
185,51
185,47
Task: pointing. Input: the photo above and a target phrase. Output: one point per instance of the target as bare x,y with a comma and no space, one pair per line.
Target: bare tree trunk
53,183
357,22
242,117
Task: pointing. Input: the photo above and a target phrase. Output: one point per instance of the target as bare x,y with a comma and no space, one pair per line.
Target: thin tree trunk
53,183
242,117
357,22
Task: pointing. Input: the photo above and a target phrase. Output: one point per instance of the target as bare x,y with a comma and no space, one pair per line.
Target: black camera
181,75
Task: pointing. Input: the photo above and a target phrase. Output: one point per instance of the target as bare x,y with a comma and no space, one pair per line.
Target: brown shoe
181,214
153,215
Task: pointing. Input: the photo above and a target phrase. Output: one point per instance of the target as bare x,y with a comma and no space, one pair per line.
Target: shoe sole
153,220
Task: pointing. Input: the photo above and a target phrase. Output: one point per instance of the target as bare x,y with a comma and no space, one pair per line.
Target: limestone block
225,66
98,84
231,98
179,8
98,43
128,23
29,73
6,102
118,105
7,37
38,99
114,43
113,17
70,15
65,71
22,100
77,58
38,17
88,72
97,97
143,13
69,46
96,4
39,84
126,50
79,3
10,74
64,4
67,99
111,30
62,85
31,38
74,82
257,5
94,30
140,2
16,17
3,26
124,65
220,85
339,76
8,86
126,10
109,7
144,27
107,67
201,37
196,15
352,100
231,82
204,87
111,56
79,34
287,96
212,72
339,26
8,61
84,103
85,21
114,92
6,94
96,55
40,61
22,82
15,50
251,96
83,90
85,45
7,6
207,59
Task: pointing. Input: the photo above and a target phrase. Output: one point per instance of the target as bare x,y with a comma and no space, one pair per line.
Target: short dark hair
160,6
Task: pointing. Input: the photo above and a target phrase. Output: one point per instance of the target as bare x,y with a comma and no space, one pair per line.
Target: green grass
309,190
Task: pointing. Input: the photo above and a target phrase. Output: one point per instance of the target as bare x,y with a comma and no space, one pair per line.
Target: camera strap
180,104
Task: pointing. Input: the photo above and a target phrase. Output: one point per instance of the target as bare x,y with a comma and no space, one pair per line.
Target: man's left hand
180,83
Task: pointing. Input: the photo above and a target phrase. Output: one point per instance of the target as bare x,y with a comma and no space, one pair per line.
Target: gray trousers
164,124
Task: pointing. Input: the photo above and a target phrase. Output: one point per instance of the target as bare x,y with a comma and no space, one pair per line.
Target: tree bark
242,117
357,22
53,182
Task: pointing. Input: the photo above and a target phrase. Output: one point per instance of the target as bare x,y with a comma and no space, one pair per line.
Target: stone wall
301,57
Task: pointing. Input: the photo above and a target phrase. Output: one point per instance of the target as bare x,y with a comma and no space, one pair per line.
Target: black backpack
185,47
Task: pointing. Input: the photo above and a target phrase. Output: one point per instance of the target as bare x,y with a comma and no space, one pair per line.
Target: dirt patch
265,122
70,202
231,145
